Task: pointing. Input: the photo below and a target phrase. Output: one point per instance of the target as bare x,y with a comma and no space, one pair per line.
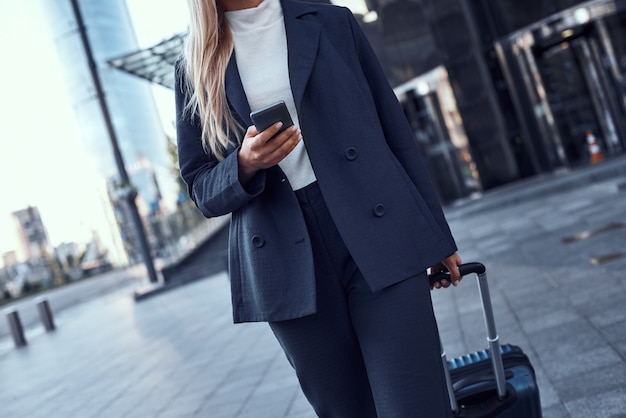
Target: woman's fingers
449,264
452,264
284,143
270,132
266,149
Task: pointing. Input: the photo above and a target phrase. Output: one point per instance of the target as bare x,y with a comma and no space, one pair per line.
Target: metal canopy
155,64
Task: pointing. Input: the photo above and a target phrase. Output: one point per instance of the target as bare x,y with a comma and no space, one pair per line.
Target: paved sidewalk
179,355
174,355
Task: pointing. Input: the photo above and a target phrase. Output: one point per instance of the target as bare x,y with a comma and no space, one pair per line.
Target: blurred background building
33,262
144,146
530,80
32,233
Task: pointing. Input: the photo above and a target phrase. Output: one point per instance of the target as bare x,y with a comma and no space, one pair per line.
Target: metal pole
15,326
492,336
446,370
130,197
45,314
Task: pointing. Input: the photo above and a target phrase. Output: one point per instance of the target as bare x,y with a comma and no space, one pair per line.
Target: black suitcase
484,385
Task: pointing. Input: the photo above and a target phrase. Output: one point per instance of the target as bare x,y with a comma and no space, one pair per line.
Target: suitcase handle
464,269
490,325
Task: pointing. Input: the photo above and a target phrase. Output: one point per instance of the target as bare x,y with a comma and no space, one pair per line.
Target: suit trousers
363,353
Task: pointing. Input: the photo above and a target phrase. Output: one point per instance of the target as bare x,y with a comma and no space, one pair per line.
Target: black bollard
45,314
15,326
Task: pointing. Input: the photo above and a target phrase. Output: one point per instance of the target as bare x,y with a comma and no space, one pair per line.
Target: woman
334,221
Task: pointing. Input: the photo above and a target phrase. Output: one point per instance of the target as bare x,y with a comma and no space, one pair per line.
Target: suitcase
484,385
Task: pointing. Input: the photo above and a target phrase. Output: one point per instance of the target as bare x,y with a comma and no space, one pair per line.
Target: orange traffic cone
594,149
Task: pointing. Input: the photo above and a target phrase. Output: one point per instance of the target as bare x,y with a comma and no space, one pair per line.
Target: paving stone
563,341
588,300
556,411
614,333
187,403
602,405
300,407
547,393
583,362
529,306
303,414
597,381
120,407
550,319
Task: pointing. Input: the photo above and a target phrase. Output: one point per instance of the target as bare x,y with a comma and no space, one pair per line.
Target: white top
260,45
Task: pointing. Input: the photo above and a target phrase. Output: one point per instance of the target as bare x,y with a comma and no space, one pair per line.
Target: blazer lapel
302,43
234,91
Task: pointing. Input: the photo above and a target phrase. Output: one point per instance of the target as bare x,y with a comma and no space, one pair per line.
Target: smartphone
269,115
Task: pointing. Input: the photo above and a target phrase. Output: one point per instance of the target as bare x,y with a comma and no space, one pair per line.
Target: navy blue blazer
365,158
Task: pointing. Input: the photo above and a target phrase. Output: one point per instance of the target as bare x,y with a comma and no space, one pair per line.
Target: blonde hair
208,49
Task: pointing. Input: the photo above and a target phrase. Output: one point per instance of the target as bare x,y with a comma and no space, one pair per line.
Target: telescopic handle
490,324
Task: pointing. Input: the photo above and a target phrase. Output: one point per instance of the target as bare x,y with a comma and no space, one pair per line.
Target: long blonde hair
207,51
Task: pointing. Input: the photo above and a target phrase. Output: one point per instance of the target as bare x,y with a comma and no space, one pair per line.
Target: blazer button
379,210
351,154
258,241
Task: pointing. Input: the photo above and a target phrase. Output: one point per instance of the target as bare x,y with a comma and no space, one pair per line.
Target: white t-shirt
260,45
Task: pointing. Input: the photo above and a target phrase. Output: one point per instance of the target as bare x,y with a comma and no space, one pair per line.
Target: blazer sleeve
212,184
396,128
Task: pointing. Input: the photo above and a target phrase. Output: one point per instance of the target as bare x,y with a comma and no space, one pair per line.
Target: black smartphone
269,115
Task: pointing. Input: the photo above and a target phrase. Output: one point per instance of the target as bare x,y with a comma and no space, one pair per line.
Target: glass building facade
566,77
134,115
534,84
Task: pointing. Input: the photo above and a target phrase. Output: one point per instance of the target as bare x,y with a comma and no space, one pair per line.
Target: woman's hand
450,264
260,150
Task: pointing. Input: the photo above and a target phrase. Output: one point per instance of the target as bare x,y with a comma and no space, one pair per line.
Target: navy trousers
363,354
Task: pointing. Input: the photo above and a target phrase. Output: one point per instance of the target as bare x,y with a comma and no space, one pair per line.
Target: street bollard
45,313
15,326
